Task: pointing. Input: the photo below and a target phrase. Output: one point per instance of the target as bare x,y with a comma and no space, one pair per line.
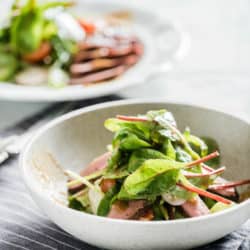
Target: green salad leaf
157,167
106,202
182,155
79,202
168,149
218,206
212,147
140,155
139,180
141,129
27,29
127,140
197,144
8,65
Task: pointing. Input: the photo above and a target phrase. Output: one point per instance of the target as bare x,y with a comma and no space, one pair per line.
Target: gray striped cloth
24,226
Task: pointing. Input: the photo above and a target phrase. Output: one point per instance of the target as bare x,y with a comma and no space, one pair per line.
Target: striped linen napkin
24,226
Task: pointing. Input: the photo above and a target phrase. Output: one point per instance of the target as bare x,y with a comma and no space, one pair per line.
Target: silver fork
13,144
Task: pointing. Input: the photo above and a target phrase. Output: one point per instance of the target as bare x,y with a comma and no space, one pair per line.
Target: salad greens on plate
153,171
43,43
29,40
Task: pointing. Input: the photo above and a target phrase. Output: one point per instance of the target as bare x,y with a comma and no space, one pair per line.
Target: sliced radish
95,197
173,200
32,76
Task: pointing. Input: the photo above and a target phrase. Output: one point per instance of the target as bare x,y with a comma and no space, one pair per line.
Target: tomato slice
39,54
88,27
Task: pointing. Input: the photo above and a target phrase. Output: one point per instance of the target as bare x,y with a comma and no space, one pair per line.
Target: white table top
215,73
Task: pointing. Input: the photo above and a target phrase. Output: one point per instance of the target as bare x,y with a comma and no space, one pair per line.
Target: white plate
164,44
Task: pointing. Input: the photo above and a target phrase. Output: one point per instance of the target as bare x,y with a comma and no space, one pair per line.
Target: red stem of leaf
194,175
229,185
204,193
203,159
205,167
131,118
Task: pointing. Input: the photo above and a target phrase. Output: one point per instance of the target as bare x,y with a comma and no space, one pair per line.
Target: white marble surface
215,73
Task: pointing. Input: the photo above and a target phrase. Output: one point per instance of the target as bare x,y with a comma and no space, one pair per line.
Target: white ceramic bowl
164,44
73,140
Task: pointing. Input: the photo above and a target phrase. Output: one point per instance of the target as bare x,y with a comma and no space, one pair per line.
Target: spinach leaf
219,206
179,214
168,149
158,215
8,66
178,192
4,36
182,155
197,144
212,147
27,29
165,120
161,116
114,160
140,155
127,140
170,131
162,183
140,180
79,202
106,202
160,211
141,129
181,193
62,50
30,27
118,173
75,204
209,202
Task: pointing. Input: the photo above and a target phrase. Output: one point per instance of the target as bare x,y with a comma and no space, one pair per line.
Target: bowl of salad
142,174
64,50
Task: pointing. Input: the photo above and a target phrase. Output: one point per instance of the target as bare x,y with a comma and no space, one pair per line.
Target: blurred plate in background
164,44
